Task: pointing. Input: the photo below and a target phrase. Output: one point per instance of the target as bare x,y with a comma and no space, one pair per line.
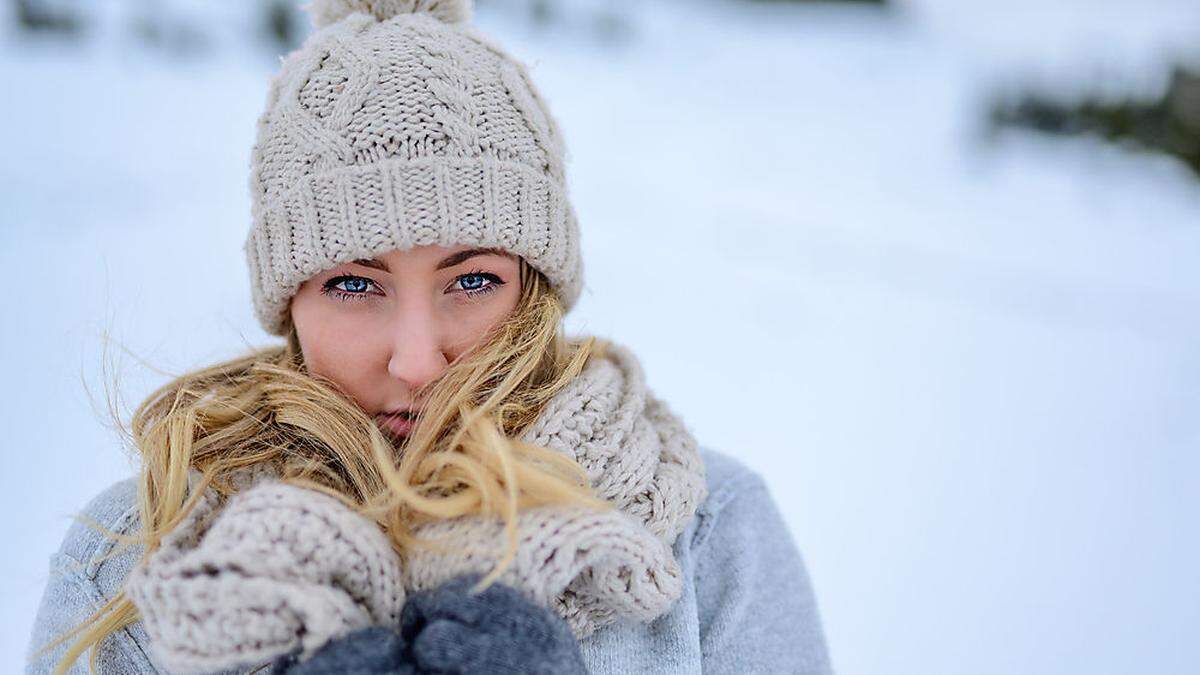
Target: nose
417,354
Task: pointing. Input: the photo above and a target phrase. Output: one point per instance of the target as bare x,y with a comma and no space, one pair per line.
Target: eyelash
329,287
496,282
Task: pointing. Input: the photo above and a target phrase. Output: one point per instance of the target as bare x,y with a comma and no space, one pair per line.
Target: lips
399,422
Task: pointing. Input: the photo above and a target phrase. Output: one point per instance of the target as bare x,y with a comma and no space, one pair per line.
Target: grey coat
747,604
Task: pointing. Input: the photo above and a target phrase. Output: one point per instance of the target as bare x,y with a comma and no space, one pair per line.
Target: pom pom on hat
326,12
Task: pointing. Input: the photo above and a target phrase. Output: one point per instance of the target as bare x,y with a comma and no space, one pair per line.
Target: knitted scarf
279,568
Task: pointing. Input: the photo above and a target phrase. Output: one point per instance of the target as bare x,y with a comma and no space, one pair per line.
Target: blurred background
931,266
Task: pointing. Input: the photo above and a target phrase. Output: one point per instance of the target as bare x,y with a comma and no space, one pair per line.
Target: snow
967,366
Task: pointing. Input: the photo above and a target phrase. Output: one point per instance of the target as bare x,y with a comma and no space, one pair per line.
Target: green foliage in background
1169,123
38,16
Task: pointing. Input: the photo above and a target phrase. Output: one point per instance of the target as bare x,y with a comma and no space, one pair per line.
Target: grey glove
374,650
449,630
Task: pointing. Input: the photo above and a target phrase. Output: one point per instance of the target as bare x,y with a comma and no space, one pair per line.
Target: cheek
472,326
336,349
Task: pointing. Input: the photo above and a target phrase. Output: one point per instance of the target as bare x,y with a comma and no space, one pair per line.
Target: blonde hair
463,457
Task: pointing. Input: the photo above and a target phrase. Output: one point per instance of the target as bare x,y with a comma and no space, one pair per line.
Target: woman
425,427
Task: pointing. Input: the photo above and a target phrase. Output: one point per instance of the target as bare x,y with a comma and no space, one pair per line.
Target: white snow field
969,369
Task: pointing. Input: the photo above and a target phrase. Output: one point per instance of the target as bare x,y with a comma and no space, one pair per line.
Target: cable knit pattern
278,568
591,567
283,567
397,124
637,453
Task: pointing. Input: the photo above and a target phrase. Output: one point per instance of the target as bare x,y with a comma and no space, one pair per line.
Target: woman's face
382,328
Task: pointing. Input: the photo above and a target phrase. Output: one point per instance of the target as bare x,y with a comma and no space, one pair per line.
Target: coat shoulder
114,509
722,469
88,569
726,477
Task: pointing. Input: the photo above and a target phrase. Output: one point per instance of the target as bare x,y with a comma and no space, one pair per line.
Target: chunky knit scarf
279,568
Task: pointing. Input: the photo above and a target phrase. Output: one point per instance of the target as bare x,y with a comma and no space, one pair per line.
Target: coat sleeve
81,580
69,598
757,609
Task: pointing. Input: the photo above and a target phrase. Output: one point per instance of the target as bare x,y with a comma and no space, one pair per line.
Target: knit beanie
397,124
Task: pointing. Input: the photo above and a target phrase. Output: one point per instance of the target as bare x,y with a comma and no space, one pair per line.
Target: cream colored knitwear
592,567
278,568
397,124
281,567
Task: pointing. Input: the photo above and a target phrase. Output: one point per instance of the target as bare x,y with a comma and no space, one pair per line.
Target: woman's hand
450,630
374,650
497,630
279,568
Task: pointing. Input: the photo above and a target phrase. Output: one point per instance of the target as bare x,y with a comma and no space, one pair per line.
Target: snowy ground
968,370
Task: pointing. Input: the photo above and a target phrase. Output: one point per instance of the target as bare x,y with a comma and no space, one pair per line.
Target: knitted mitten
279,569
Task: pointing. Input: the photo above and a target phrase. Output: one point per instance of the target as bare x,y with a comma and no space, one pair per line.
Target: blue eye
351,287
472,283
348,287
356,285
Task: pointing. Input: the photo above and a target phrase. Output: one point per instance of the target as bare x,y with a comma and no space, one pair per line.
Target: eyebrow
462,256
449,261
372,263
